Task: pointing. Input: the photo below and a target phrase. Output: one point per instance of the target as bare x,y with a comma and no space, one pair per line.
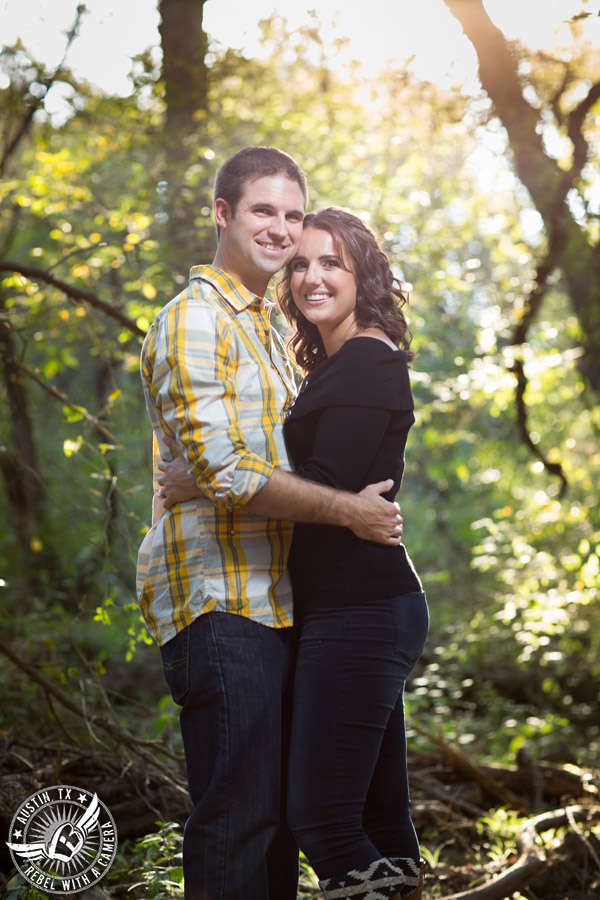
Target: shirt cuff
238,484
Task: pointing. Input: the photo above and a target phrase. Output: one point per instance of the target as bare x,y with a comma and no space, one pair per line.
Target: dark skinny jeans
348,795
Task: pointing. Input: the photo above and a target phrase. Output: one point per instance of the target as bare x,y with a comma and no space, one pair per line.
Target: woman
360,606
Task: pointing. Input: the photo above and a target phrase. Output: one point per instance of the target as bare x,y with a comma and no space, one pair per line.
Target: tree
25,95
185,78
557,92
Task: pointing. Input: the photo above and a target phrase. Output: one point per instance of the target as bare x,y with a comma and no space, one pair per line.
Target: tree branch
575,131
60,396
530,311
553,468
118,734
533,301
79,296
558,94
532,858
547,183
498,71
465,766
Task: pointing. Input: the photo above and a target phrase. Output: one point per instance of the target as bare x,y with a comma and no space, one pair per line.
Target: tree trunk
25,489
185,76
184,45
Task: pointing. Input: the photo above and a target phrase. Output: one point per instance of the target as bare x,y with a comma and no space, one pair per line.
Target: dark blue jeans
348,801
232,678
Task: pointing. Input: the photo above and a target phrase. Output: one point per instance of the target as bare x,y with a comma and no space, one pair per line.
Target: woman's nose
313,275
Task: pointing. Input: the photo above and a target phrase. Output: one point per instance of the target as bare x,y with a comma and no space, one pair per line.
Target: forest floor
488,832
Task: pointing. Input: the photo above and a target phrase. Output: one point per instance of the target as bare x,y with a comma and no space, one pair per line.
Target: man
212,572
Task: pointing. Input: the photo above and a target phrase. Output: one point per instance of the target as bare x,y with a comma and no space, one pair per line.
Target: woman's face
324,291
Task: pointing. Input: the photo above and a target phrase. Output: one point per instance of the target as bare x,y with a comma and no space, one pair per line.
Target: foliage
19,889
154,862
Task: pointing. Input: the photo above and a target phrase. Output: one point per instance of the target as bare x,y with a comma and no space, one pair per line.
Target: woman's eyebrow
325,256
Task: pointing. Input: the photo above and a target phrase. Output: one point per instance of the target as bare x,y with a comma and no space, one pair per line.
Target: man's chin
273,265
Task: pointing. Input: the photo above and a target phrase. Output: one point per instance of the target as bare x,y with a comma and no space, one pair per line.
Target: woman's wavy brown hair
379,295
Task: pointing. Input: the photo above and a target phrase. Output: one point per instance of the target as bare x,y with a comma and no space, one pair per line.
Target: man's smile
272,247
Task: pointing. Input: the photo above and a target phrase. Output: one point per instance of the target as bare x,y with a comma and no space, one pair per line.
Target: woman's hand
176,484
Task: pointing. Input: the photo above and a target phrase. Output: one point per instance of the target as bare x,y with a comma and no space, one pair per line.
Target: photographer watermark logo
62,839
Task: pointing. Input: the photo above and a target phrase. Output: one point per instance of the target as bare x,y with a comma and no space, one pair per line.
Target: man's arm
290,498
368,515
190,371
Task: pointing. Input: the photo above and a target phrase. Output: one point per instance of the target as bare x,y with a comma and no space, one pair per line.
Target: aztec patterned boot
384,879
414,869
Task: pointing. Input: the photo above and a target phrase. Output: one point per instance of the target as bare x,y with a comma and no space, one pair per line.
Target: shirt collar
232,290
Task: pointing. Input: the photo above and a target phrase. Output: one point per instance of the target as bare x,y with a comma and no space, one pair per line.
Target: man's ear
222,212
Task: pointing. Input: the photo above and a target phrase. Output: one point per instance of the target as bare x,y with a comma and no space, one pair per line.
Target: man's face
263,233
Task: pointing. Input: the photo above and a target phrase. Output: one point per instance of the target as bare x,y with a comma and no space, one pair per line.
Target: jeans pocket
175,662
411,626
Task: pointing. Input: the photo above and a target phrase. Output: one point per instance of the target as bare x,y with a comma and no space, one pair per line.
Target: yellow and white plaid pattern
216,377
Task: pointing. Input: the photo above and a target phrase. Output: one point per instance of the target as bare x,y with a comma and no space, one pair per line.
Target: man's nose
277,225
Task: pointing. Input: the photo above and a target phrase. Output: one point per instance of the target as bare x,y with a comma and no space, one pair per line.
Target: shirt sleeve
346,442
189,366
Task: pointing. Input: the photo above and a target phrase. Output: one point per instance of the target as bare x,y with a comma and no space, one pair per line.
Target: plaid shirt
216,377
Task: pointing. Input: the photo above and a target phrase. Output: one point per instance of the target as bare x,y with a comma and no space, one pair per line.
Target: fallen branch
137,796
431,788
136,744
532,858
578,831
465,766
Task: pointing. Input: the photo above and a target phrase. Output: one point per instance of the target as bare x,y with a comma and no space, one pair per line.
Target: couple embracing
286,645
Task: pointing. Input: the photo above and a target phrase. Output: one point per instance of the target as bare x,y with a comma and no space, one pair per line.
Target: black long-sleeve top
347,429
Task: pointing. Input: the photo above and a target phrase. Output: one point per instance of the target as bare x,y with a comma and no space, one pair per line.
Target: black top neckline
363,372
367,337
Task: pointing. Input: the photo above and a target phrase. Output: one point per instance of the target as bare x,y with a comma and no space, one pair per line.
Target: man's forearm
286,496
368,515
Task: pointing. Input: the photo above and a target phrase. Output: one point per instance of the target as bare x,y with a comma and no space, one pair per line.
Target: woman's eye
298,266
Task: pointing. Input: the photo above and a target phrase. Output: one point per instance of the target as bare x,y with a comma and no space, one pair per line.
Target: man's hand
377,519
176,484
